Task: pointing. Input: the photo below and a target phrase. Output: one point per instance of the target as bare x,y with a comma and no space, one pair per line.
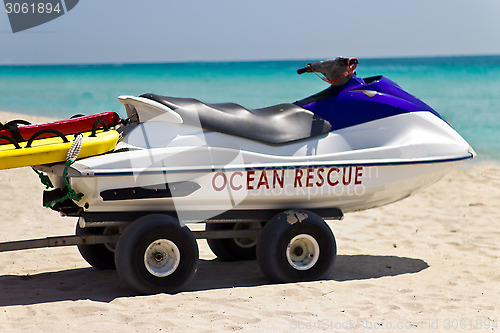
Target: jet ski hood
363,100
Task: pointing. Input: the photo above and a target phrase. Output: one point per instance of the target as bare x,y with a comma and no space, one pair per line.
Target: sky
137,31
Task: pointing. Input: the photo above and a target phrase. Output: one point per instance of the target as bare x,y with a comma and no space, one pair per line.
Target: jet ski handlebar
334,71
318,65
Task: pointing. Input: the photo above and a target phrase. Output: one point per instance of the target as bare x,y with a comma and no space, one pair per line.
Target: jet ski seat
276,124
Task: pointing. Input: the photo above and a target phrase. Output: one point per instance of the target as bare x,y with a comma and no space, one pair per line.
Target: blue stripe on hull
336,164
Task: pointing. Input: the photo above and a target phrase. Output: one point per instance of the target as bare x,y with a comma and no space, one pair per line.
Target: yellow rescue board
54,150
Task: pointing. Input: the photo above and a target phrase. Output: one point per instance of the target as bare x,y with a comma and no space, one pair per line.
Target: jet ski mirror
336,72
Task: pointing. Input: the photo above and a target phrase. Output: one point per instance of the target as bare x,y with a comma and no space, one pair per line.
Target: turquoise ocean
464,90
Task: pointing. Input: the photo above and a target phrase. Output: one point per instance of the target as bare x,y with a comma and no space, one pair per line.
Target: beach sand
429,263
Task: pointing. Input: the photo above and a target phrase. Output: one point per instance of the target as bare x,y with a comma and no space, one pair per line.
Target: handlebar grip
304,70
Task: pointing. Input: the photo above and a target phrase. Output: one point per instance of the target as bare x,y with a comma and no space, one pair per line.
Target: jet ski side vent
167,190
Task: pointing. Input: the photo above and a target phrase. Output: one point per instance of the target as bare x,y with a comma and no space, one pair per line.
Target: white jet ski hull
196,171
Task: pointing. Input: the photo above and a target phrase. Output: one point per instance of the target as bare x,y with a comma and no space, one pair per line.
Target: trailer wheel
233,249
296,245
99,256
156,254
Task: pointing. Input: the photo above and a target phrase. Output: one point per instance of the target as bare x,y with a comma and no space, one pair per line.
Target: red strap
349,71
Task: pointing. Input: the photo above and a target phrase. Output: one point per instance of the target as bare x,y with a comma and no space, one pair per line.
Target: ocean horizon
465,90
232,61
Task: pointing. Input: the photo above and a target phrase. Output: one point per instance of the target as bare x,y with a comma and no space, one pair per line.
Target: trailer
154,252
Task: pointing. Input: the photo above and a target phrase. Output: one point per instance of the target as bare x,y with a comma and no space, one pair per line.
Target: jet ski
354,146
276,171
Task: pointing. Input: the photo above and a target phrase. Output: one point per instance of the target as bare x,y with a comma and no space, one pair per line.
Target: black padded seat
276,124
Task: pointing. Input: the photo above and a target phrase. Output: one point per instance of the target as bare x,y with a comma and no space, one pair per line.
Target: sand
429,263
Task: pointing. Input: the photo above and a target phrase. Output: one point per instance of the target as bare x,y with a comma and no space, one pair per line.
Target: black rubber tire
276,236
132,246
229,249
98,256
